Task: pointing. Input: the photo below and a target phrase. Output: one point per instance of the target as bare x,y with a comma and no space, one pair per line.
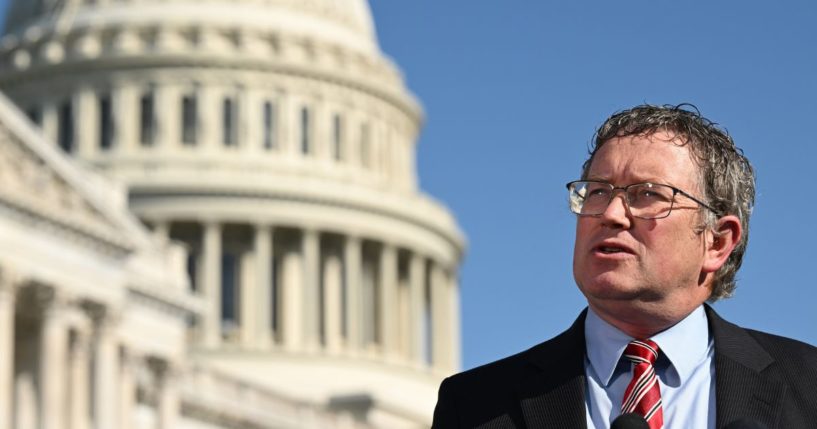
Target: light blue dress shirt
685,368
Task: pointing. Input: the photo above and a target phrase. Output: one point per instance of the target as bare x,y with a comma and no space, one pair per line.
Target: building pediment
40,184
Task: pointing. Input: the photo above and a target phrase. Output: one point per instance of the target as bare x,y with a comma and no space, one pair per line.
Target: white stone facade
292,274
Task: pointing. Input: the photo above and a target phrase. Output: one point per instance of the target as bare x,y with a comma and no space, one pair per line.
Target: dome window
189,120
269,126
306,131
65,133
337,137
147,118
106,130
229,120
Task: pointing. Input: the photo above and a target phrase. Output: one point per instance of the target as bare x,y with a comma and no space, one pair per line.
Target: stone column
161,230
403,315
311,268
249,120
333,300
80,378
388,300
247,300
377,146
454,321
210,120
321,139
290,124
398,158
125,101
212,284
417,283
263,260
53,358
86,122
169,401
7,299
440,337
50,121
291,305
127,389
168,117
106,371
351,146
388,169
351,271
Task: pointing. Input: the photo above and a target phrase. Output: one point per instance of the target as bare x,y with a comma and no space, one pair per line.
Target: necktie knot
641,351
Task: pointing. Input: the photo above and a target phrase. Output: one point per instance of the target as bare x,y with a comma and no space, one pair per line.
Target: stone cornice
353,15
223,400
44,55
417,209
176,304
79,232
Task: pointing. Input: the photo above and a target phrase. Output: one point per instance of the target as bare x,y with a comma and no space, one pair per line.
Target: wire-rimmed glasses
644,200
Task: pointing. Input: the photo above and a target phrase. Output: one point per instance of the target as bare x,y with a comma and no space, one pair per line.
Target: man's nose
616,215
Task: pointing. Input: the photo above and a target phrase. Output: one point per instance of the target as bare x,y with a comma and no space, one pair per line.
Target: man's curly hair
726,176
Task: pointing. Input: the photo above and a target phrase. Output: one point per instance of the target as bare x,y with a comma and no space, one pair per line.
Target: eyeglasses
644,200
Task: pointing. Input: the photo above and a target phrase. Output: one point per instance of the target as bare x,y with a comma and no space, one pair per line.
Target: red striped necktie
643,395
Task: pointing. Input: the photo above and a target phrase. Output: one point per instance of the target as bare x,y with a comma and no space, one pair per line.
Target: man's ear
720,241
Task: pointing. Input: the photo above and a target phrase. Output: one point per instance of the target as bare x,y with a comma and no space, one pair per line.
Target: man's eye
649,194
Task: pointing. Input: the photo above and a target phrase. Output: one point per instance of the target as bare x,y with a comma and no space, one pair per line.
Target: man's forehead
656,156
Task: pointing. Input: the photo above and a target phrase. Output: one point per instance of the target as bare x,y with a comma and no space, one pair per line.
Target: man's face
621,262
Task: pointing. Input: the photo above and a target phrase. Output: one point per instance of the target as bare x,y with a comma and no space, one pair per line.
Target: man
662,211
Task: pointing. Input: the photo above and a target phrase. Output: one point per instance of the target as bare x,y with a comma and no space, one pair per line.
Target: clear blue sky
513,91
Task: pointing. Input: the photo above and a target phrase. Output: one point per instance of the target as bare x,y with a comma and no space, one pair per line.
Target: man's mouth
607,249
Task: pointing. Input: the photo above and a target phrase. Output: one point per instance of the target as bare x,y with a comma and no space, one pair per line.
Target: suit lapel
744,386
554,396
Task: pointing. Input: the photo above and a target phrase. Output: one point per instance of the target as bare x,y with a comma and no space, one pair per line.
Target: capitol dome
276,143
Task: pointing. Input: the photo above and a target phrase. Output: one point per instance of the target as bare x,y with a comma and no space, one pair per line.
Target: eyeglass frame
675,191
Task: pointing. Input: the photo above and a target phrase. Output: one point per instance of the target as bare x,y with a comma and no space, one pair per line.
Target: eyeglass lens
645,200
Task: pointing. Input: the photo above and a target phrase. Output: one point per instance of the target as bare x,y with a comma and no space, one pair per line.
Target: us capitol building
210,218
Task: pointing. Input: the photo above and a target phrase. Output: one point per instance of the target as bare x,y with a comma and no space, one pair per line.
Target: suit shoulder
499,371
489,393
569,346
785,348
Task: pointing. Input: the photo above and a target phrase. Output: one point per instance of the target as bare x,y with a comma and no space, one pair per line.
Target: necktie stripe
639,389
643,394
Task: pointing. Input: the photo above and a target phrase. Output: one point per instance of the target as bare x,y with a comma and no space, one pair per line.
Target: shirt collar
684,344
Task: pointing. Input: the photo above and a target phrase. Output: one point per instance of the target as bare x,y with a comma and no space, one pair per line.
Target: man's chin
609,287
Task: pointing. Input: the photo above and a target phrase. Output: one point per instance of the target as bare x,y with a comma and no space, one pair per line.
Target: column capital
261,227
48,299
166,369
353,239
212,224
9,280
103,316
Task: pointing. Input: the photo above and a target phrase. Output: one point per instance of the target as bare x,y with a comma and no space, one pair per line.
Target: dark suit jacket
769,379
